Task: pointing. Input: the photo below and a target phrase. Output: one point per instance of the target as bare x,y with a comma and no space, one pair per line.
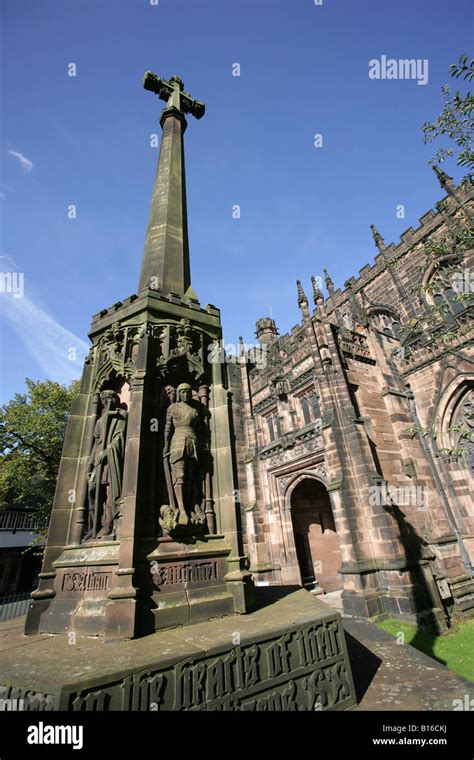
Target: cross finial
178,100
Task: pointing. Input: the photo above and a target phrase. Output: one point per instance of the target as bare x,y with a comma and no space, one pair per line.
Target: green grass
455,648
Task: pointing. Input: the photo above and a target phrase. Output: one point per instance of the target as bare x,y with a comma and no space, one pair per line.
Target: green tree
32,427
455,121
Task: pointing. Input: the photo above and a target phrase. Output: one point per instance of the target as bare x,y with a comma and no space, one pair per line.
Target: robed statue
105,467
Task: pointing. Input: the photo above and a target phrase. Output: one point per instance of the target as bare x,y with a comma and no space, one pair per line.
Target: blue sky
304,70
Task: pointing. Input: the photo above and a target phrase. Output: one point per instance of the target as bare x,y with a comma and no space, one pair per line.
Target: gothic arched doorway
316,539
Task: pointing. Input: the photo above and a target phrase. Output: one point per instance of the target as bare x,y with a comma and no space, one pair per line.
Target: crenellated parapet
374,278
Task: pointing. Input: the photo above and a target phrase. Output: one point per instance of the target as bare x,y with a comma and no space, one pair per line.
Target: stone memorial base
83,578
288,655
180,583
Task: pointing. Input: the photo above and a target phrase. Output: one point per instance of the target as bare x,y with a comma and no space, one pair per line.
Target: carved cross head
173,92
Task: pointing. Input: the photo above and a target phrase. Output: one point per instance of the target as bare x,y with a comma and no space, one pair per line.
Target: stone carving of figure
183,447
347,321
171,393
105,467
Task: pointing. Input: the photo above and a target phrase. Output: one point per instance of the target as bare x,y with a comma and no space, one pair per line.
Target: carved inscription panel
88,580
169,576
303,669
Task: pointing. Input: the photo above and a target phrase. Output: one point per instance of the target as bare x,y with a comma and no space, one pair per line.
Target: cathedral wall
349,370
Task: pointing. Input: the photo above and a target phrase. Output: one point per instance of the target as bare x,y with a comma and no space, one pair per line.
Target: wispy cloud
57,351
25,162
7,260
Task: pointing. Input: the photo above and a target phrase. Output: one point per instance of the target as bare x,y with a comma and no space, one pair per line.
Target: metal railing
16,520
13,606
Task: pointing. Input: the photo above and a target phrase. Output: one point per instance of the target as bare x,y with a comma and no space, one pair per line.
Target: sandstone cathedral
355,435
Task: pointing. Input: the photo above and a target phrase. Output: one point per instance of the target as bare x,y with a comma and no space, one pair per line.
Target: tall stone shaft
165,263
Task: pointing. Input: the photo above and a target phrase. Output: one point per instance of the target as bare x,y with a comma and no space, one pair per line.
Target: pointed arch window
439,286
385,323
310,408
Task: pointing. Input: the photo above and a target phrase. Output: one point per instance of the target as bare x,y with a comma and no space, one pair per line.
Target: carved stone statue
182,452
105,467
